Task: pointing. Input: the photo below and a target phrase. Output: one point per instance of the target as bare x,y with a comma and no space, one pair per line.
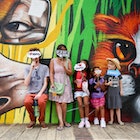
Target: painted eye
17,27
124,50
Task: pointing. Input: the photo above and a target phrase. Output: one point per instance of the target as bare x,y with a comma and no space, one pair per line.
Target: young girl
113,81
82,94
97,87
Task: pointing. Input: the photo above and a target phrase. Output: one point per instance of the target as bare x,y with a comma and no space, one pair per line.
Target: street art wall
91,29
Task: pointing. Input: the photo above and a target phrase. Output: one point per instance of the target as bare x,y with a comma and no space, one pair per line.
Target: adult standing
36,78
60,70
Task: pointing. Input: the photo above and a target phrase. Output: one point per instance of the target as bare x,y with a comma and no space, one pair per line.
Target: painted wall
91,29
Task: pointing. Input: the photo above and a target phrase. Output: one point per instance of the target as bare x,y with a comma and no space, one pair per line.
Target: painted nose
135,70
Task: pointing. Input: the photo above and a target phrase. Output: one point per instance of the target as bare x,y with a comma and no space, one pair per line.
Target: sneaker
81,124
102,123
43,126
31,125
96,121
87,124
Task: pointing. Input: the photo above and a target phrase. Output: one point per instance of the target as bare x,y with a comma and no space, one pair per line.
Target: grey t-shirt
37,78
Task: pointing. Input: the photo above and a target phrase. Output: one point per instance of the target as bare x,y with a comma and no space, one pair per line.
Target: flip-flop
67,124
60,128
110,122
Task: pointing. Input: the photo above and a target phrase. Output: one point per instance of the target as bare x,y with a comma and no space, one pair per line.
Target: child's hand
97,85
75,81
84,78
110,83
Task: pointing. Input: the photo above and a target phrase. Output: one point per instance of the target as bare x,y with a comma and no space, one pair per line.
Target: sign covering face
62,53
98,72
79,66
33,54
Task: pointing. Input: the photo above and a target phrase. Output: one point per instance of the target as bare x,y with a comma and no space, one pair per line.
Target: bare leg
86,110
111,116
96,112
96,120
64,109
86,106
80,105
118,113
102,121
59,113
102,111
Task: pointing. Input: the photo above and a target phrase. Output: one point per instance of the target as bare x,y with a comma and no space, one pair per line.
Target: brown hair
60,46
34,49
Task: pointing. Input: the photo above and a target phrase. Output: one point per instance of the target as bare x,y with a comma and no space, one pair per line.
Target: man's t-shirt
37,77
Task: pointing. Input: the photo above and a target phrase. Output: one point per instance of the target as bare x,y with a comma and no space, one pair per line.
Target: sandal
60,128
110,122
31,125
121,123
67,124
43,126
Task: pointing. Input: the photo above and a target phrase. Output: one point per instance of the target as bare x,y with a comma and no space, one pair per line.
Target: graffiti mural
24,21
122,42
92,30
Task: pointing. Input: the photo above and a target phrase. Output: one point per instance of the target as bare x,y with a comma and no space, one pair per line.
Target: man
36,78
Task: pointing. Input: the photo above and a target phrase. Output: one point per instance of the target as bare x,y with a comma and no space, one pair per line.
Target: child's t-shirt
96,92
114,76
79,77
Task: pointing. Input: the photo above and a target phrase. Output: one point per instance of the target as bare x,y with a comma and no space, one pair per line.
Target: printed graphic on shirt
114,80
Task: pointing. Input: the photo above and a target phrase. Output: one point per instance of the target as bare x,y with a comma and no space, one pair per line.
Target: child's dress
113,91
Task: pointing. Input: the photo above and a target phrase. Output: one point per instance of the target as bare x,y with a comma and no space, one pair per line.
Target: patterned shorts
97,102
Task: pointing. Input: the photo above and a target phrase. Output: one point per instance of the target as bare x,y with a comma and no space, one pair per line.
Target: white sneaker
87,124
96,121
102,123
81,124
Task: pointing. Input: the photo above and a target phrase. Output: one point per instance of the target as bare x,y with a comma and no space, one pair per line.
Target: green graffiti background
79,34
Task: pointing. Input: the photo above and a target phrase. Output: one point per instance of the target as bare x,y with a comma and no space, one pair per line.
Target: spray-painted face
21,22
24,21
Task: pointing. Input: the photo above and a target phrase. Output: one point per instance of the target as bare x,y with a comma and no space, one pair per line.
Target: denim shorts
80,94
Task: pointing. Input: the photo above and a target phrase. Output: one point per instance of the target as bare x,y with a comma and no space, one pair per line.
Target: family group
90,87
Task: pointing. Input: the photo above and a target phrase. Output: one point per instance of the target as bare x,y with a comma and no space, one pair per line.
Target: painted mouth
4,101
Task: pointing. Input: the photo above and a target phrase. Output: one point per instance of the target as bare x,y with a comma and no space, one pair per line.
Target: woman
60,70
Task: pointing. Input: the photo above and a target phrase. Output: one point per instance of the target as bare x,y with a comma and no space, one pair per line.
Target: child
81,91
97,87
113,81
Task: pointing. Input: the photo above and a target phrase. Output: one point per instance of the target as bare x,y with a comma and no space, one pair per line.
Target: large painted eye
17,27
124,50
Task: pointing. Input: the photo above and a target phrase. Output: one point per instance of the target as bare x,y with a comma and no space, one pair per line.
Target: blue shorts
80,94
